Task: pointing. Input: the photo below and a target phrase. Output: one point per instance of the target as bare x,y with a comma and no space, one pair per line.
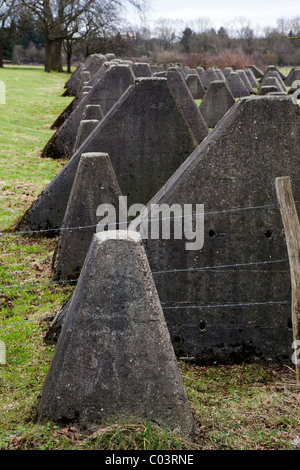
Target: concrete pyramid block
114,360
147,138
220,74
258,73
271,81
195,86
95,183
64,114
237,86
186,102
246,80
216,102
267,89
110,87
293,75
227,71
141,69
85,129
201,73
251,77
273,68
273,74
209,76
229,300
91,64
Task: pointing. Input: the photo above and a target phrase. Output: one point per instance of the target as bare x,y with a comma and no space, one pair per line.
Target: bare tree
69,20
7,23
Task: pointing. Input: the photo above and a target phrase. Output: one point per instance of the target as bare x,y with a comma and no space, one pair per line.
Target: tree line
55,31
57,25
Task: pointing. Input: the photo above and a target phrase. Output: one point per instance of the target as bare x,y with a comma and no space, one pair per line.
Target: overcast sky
219,12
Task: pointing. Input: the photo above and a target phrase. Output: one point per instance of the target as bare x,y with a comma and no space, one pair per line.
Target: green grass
247,406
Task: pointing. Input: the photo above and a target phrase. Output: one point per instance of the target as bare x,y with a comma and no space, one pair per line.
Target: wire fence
83,227
180,304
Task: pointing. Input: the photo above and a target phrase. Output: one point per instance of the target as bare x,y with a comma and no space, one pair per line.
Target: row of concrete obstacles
228,301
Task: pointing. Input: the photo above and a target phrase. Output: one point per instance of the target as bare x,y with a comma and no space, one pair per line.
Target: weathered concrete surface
147,138
227,71
273,74
209,76
95,183
270,81
85,129
93,111
110,87
246,81
141,69
195,86
241,311
186,102
273,68
237,86
114,360
64,114
91,64
251,77
220,74
216,102
292,76
266,89
258,73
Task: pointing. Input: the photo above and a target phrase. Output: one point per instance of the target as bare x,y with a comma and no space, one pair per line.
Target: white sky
260,13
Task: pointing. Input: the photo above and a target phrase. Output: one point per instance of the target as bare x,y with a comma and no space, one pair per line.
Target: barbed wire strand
203,268
229,305
81,227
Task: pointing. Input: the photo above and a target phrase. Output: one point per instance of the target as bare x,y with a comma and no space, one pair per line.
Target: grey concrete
240,312
64,114
246,80
220,74
292,76
95,183
93,111
201,72
110,56
209,76
251,77
273,68
237,86
216,102
195,86
114,360
110,87
273,74
227,71
91,64
266,89
141,69
258,73
147,138
271,81
187,104
86,127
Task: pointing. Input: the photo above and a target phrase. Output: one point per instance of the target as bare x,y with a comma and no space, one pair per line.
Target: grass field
245,406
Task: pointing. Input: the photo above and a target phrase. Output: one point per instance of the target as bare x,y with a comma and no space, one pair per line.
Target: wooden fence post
292,234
